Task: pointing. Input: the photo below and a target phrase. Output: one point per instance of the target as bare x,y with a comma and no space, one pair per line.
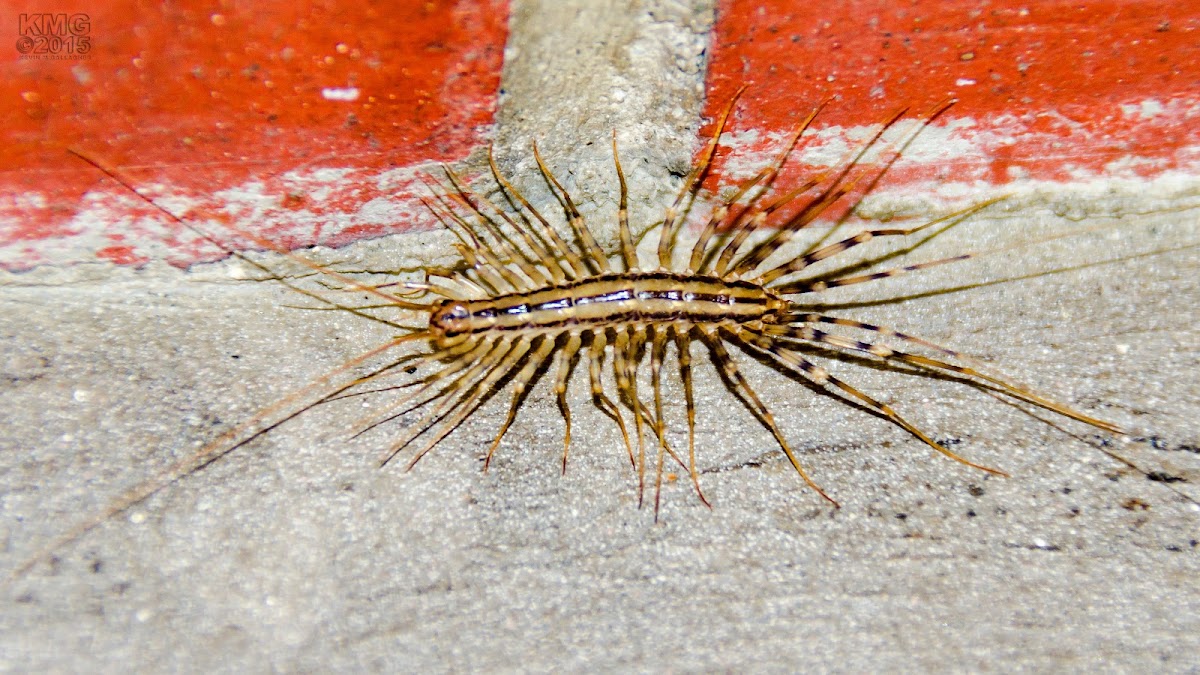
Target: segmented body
527,297
526,300
632,298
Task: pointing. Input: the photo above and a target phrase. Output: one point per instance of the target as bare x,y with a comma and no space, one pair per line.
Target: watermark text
54,36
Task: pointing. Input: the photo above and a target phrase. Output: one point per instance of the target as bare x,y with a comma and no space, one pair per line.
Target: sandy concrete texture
296,552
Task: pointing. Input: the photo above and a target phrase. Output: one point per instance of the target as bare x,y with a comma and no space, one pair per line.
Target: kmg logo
54,36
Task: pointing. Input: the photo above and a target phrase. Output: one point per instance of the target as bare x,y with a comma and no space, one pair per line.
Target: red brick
197,103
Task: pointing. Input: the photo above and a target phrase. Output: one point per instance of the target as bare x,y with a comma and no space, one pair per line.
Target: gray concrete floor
297,553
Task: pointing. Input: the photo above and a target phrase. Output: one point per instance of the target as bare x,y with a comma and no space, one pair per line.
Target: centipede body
526,300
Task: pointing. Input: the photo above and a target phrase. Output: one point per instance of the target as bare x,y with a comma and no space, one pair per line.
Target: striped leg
683,343
657,349
822,284
628,251
566,363
626,376
447,398
453,371
822,377
544,248
700,248
520,383
575,267
516,253
889,354
766,177
473,398
729,370
800,318
489,283
451,354
837,188
656,421
863,237
666,240
626,350
813,285
390,370
595,253
798,221
785,233
468,242
492,257
507,248
812,317
489,273
603,402
746,223
470,289
540,250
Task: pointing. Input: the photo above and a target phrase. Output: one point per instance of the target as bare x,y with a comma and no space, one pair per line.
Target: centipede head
449,318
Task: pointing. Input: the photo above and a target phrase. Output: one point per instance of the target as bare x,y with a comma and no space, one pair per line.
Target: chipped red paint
290,117
1047,90
121,255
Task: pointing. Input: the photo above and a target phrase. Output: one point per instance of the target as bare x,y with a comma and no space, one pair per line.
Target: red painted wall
1050,90
302,119
233,110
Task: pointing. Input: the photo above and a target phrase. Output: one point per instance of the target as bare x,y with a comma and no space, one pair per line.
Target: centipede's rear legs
741,387
844,390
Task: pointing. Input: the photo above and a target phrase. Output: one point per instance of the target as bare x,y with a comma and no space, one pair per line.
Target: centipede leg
566,363
628,252
890,354
742,389
603,402
470,401
575,267
822,377
683,343
671,222
457,375
657,349
520,384
801,262
595,254
466,383
626,376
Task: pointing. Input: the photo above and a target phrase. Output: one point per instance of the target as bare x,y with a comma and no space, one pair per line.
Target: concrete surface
297,553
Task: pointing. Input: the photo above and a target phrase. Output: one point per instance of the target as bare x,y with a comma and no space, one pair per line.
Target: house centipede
533,301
